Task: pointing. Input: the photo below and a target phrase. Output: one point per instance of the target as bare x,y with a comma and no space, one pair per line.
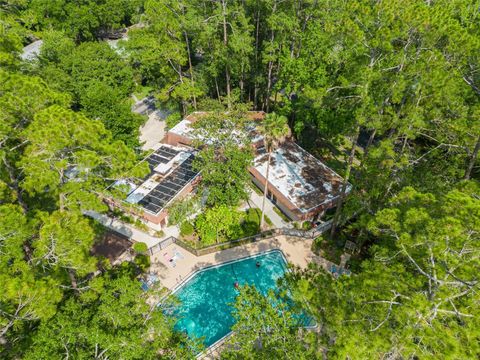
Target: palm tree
274,130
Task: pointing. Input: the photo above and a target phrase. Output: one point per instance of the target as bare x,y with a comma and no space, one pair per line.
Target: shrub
281,214
267,220
159,233
218,224
307,225
186,229
139,224
140,247
317,244
142,261
253,215
251,222
182,209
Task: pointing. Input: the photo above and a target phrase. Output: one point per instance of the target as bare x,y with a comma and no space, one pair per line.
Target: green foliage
111,318
173,119
64,241
250,224
274,129
140,247
71,156
159,233
100,101
420,275
224,173
54,161
87,20
281,214
27,295
94,62
404,73
98,79
21,98
217,224
306,225
186,228
11,37
180,210
143,262
266,328
225,159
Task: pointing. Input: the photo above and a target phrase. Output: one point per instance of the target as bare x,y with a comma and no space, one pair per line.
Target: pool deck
296,250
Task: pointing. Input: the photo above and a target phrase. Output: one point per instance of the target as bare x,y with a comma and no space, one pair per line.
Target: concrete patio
296,250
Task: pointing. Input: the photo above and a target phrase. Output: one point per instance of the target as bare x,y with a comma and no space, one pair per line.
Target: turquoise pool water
205,309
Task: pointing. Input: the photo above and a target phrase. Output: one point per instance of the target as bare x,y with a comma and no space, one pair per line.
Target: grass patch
248,225
256,189
186,229
251,222
281,214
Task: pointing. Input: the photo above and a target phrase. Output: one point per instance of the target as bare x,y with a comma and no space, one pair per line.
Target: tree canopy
384,92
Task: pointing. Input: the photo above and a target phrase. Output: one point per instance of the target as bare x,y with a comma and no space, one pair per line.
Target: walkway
276,219
131,232
297,251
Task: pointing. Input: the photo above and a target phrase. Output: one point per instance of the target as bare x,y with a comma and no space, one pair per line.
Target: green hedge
186,229
140,247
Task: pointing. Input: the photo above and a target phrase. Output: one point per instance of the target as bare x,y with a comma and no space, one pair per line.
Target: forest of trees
385,92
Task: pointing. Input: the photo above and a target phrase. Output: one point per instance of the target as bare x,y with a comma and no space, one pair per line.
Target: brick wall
284,203
176,140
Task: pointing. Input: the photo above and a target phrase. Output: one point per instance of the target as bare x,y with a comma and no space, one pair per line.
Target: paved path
153,131
130,231
276,219
297,251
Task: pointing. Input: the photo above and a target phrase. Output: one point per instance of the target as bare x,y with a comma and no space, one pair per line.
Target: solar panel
152,162
159,158
173,184
150,206
166,153
170,185
169,150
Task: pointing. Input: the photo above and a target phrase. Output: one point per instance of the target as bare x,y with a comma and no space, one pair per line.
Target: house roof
184,128
303,179
31,51
170,171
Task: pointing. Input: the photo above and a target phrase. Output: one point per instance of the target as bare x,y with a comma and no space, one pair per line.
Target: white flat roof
303,179
183,128
31,51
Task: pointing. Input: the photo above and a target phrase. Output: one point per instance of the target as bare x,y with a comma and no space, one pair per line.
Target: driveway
153,131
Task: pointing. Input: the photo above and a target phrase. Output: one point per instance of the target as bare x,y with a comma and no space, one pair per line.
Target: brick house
171,177
299,184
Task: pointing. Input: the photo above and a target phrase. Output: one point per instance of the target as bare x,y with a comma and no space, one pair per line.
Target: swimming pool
205,309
